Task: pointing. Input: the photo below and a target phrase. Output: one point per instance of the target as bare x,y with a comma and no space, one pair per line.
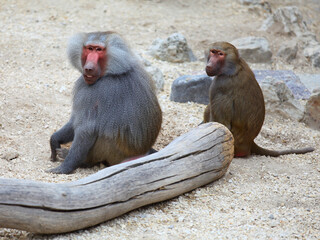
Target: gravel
259,197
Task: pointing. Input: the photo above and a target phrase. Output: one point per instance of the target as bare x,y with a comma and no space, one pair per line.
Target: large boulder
311,81
312,111
285,20
282,91
311,47
173,49
293,82
313,54
308,39
288,51
193,88
279,99
253,49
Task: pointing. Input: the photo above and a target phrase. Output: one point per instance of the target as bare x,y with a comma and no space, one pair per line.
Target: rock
291,80
253,49
313,54
9,154
288,51
312,111
285,20
279,99
174,49
62,89
257,6
250,2
271,216
311,46
155,74
311,81
308,39
260,9
193,88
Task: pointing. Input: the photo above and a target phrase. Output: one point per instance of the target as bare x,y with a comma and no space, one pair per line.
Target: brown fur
236,100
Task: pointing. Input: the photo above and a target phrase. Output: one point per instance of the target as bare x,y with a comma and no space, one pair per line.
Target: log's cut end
194,159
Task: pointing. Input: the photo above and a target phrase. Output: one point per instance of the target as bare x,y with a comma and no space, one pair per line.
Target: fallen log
190,161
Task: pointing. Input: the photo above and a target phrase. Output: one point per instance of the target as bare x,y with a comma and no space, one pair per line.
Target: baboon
115,112
236,100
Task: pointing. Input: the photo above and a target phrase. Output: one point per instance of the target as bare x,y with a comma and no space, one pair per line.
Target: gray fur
120,58
74,50
120,107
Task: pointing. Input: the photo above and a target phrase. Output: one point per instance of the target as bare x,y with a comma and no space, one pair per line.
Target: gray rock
253,49
250,2
313,54
308,39
311,48
257,6
173,49
285,20
311,81
9,154
279,99
288,51
291,80
193,88
312,111
155,74
271,216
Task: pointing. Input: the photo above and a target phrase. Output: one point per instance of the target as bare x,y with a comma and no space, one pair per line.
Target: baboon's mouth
89,79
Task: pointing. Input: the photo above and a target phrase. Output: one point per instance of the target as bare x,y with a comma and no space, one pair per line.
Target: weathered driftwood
190,161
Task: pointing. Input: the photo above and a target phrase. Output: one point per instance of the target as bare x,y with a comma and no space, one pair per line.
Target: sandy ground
259,198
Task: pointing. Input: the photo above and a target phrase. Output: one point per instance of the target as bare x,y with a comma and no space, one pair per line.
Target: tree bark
190,161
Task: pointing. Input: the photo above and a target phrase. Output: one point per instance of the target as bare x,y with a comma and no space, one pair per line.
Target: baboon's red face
94,62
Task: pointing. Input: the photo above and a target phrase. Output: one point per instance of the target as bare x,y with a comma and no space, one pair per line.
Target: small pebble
9,154
271,216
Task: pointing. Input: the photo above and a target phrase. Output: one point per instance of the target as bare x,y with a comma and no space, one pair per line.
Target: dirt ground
259,197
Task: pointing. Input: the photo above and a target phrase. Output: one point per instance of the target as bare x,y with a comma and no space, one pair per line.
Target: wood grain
190,161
